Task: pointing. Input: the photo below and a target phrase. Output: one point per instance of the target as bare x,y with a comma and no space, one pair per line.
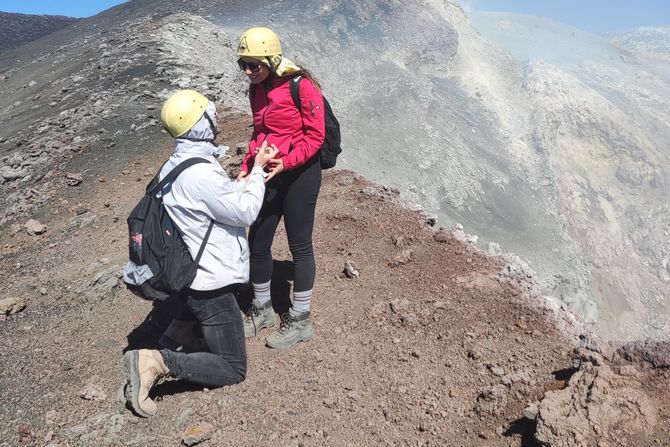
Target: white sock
261,293
301,302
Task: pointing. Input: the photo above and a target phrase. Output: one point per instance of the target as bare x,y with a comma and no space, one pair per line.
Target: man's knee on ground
241,374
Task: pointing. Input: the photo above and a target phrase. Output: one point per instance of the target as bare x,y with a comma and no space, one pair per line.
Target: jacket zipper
267,99
263,119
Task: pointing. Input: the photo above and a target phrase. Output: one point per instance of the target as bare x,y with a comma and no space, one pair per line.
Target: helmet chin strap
213,125
207,140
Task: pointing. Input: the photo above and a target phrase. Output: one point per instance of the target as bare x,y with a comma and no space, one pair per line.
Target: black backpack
331,144
156,242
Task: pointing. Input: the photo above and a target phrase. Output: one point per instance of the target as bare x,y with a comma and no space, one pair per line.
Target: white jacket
204,192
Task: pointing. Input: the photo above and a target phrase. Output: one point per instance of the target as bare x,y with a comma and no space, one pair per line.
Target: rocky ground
428,342
420,338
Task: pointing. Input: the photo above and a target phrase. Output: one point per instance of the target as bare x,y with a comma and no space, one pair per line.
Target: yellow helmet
259,42
182,110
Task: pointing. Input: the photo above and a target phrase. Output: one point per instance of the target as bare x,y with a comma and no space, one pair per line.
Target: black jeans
292,194
218,315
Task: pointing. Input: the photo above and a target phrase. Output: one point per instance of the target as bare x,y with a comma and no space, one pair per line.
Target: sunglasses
253,66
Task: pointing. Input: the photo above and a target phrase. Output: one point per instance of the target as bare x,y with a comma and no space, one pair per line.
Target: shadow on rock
282,277
526,429
564,374
146,335
172,387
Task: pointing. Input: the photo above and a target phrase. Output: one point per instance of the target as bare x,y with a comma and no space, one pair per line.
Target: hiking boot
142,368
121,393
292,330
258,318
180,336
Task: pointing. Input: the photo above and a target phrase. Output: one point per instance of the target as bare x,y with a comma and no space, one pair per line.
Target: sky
79,8
596,16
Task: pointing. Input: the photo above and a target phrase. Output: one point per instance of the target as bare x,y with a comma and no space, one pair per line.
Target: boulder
34,227
11,305
597,406
10,174
195,434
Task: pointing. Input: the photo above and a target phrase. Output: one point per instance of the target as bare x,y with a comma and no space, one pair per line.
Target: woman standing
292,183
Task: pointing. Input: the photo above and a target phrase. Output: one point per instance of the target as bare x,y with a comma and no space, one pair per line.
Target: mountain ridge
18,29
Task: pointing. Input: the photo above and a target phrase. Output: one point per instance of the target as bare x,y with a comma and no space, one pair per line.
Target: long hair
305,73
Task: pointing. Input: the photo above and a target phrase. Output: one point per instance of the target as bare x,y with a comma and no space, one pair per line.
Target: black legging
291,194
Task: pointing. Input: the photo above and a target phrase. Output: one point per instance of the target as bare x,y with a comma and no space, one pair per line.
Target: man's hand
241,175
265,154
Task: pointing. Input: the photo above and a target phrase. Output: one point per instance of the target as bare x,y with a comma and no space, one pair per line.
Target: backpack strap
295,91
204,242
294,87
172,175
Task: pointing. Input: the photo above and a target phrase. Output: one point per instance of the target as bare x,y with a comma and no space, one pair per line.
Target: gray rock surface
11,305
34,227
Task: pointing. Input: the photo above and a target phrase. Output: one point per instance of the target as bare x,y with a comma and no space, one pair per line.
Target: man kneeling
201,196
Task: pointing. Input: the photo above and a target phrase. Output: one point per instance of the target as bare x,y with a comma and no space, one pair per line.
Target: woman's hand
278,166
265,154
241,175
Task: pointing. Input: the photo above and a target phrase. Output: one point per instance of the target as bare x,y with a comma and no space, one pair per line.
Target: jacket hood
202,131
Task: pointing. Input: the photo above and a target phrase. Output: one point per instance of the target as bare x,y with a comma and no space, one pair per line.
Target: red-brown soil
428,346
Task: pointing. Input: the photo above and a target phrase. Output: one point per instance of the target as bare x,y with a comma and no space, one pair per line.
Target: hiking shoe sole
132,387
121,394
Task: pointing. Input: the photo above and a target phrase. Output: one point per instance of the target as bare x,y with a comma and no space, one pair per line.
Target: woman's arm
314,126
247,162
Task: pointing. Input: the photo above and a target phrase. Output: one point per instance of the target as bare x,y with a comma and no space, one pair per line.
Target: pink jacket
277,119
